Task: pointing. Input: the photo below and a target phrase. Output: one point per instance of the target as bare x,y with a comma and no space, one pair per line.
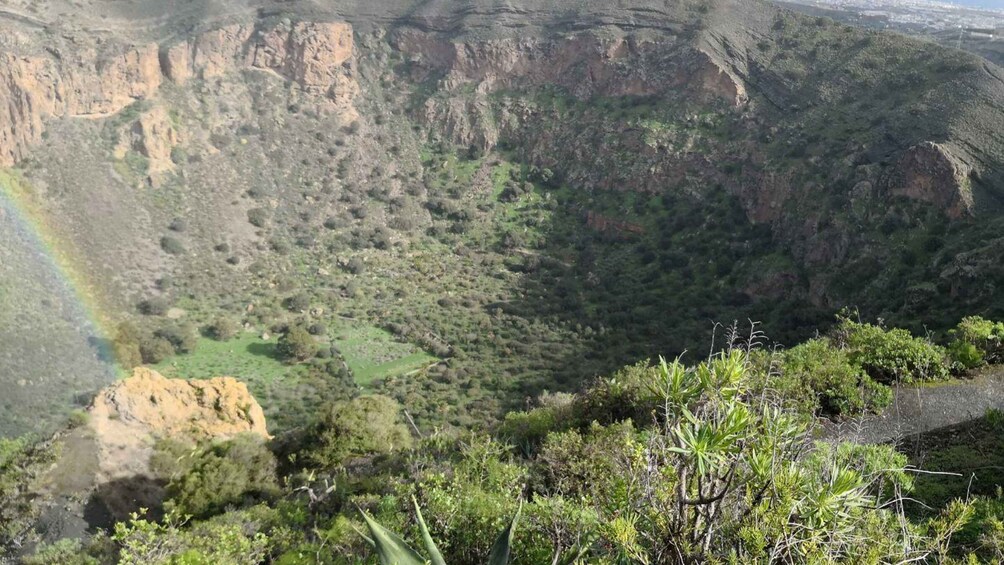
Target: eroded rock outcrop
86,82
81,83
929,173
315,55
127,418
585,64
154,136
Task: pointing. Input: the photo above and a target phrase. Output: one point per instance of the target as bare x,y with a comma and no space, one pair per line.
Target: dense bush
527,430
258,217
627,395
356,266
299,302
21,462
156,306
182,337
222,329
243,537
366,425
977,341
891,356
219,475
296,344
172,245
126,346
155,349
821,378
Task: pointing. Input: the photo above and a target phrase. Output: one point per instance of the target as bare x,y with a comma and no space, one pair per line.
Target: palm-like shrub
729,475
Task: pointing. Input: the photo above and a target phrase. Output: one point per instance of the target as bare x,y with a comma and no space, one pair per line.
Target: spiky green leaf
430,545
500,550
390,548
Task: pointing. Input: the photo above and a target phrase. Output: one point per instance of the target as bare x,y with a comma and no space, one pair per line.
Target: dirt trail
916,410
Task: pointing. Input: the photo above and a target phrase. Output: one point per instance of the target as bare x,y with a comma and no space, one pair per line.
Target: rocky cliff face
930,173
92,83
585,65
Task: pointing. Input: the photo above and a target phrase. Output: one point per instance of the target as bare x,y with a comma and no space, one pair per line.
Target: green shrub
298,302
995,419
366,425
822,377
183,338
234,472
890,356
171,245
153,349
237,539
126,346
965,355
156,306
527,430
356,266
624,396
977,341
62,552
392,550
222,329
22,461
296,344
78,418
258,217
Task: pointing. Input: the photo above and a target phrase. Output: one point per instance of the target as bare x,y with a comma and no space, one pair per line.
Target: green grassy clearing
246,357
372,353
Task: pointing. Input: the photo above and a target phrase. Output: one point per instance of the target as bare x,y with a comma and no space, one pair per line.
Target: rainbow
19,205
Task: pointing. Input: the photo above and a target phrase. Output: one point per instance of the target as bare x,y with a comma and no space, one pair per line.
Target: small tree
155,306
296,344
223,474
125,346
155,349
298,302
183,338
364,426
222,329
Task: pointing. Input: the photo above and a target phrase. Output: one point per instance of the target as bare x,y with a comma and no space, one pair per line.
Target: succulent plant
393,550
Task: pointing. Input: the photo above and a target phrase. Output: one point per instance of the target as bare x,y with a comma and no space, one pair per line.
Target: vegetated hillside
531,194
659,463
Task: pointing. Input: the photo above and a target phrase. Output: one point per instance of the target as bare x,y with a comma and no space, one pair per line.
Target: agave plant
393,550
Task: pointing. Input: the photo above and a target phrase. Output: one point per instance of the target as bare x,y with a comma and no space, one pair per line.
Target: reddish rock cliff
87,83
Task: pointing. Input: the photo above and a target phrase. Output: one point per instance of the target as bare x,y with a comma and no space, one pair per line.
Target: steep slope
539,190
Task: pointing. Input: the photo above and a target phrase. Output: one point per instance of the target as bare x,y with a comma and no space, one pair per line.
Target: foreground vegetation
661,462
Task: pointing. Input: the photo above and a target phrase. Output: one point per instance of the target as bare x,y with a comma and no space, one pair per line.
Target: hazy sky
998,4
